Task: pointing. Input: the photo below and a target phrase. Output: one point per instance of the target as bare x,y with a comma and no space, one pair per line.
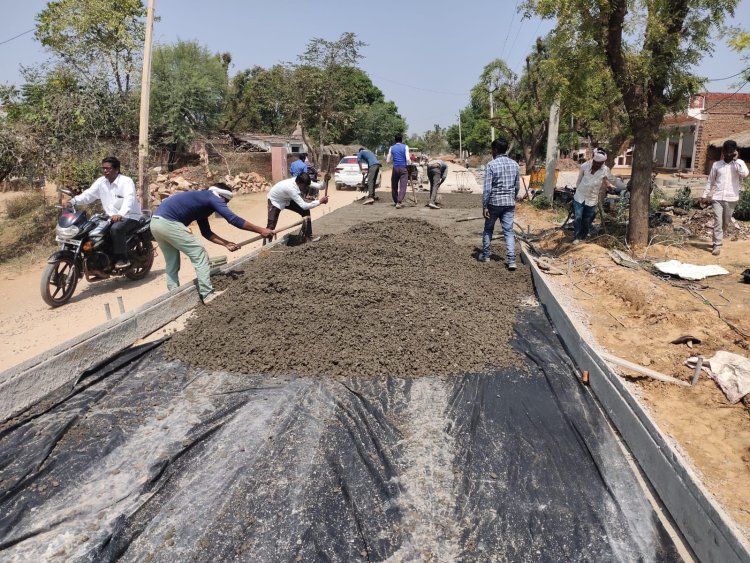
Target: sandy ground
633,314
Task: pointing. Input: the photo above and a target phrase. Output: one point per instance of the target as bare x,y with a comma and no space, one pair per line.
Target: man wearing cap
290,194
169,225
437,172
722,190
593,174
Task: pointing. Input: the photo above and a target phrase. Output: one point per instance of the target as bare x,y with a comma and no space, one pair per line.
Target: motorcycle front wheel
59,281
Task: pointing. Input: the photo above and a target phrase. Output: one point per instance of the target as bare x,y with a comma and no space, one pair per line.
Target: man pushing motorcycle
117,194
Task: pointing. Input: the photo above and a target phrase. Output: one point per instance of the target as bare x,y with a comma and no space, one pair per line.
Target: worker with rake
169,225
290,194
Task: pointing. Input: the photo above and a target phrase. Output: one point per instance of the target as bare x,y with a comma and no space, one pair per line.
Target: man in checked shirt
501,185
723,190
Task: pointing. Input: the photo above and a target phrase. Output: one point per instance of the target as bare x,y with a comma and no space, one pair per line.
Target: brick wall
726,115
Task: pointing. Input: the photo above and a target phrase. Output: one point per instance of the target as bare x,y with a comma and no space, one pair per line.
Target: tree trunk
640,194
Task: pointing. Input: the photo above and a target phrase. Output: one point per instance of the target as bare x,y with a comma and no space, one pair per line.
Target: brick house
688,141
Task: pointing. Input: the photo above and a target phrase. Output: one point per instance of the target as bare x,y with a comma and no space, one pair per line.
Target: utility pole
145,99
460,141
492,116
549,173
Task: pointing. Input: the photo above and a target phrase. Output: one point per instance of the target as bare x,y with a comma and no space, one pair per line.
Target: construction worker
437,172
290,194
299,165
501,185
373,169
399,154
593,175
169,225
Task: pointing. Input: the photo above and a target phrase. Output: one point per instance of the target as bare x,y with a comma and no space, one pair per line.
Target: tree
95,37
188,90
261,100
649,47
374,125
321,89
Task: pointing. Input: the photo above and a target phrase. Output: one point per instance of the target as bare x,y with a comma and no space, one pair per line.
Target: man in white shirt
117,194
593,174
722,190
290,194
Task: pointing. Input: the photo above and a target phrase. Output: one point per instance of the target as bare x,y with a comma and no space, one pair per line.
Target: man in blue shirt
399,154
501,185
169,225
298,166
373,169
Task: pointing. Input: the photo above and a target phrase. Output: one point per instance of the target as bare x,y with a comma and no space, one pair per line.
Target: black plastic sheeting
153,460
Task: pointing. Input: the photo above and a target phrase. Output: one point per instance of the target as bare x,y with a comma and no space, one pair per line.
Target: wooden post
145,99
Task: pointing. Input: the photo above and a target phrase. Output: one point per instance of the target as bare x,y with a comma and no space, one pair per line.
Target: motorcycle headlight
67,232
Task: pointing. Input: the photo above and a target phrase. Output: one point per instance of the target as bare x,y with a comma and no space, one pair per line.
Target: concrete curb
707,528
26,383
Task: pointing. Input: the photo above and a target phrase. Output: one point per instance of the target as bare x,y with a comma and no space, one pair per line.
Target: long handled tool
221,260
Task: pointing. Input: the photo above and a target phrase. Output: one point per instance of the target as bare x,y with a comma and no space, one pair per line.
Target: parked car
347,174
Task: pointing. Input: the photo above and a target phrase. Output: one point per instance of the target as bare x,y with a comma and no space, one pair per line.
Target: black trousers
119,232
274,212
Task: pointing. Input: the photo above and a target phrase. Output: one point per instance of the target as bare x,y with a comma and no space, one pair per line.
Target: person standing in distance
117,193
169,225
501,185
373,169
722,190
593,175
399,154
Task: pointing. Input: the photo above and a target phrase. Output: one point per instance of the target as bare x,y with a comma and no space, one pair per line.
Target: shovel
220,260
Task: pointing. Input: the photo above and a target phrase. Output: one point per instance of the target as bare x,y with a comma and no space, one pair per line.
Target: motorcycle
86,250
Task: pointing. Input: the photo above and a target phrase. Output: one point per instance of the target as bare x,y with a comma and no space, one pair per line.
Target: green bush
742,210
24,204
541,202
683,198
658,196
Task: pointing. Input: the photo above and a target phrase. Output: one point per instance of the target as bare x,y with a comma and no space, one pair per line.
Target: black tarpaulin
154,460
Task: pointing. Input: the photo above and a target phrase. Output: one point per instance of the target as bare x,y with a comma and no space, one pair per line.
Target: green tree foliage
322,89
188,90
374,125
95,37
260,100
649,47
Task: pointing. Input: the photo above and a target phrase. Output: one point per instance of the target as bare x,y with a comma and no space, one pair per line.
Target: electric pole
460,142
549,173
145,99
492,116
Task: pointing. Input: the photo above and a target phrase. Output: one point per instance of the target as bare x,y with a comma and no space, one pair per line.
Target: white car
347,174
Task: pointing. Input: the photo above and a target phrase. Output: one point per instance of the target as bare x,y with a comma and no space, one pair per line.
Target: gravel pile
393,297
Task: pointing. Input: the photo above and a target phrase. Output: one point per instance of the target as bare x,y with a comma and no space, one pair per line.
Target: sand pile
394,297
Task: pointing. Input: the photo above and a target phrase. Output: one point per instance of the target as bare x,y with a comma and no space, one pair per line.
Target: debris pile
395,297
166,184
700,223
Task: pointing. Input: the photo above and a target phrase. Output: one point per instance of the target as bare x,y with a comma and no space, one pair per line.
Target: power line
729,96
728,77
17,36
510,26
417,87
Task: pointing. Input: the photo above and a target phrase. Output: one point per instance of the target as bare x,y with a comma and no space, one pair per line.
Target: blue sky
424,55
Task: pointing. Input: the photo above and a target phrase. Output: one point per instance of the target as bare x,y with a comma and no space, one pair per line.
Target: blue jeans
584,217
505,213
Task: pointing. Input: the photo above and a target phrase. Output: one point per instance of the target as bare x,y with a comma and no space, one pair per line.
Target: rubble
186,179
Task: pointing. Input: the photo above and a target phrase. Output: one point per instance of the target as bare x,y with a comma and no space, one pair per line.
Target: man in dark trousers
399,155
290,194
501,185
437,172
373,169
119,201
169,225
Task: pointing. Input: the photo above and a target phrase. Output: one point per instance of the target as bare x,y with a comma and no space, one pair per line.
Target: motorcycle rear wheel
141,256
59,281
